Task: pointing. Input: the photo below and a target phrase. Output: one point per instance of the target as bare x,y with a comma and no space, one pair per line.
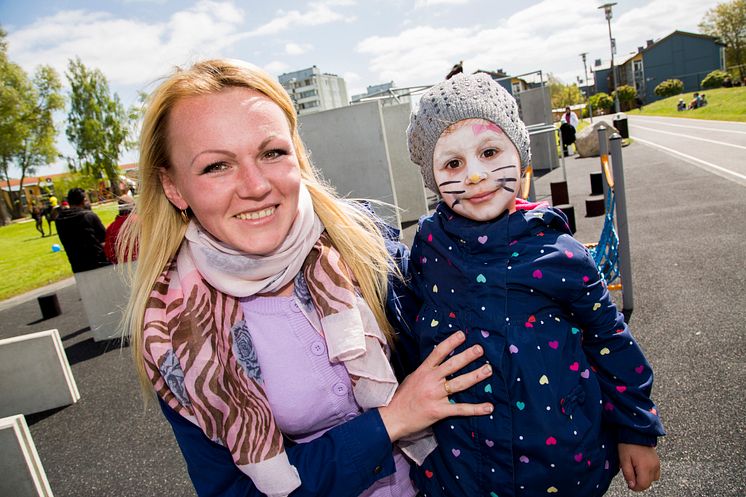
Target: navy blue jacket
569,380
343,462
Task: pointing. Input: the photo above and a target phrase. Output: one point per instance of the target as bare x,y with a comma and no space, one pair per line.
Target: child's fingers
628,471
441,351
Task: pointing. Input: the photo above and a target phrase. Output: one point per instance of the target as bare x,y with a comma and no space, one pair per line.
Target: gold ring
447,387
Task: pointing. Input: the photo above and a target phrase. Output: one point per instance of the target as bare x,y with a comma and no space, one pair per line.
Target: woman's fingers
467,380
458,361
441,351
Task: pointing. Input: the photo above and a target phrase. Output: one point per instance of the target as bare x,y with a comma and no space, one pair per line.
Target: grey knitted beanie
462,97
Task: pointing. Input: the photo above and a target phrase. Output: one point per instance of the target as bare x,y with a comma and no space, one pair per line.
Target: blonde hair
157,228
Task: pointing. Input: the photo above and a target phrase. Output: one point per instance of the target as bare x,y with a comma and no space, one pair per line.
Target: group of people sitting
696,102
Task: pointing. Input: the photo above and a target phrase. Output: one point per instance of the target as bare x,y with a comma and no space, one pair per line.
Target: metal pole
607,11
625,261
613,69
603,153
587,96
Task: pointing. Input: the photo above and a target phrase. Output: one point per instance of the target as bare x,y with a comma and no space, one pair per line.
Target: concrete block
105,292
21,471
34,374
595,206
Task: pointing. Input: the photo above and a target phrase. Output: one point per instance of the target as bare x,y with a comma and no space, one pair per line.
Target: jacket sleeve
402,307
343,462
623,372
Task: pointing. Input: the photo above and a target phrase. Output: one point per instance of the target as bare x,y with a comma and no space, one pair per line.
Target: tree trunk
4,215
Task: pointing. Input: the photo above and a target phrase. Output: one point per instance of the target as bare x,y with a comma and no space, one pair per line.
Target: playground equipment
611,252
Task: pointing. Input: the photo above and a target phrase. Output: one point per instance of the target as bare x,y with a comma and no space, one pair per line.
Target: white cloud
318,13
431,3
297,49
547,36
276,67
128,51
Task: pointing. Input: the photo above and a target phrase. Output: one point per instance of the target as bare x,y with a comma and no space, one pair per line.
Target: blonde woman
260,302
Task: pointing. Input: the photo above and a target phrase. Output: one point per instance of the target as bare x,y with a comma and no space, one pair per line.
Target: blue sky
414,42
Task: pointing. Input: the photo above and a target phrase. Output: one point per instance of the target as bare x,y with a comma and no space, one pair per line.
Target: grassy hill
723,104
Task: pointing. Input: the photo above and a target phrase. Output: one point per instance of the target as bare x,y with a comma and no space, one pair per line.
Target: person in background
81,233
568,127
261,301
126,203
38,218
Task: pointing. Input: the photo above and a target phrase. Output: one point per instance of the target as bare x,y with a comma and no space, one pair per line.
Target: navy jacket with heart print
569,382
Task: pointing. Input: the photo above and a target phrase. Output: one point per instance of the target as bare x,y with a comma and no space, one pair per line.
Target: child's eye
215,167
452,164
490,152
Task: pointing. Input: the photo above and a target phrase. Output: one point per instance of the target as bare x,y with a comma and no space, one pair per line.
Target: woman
260,299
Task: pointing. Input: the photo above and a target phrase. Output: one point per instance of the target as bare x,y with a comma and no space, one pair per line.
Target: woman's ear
171,191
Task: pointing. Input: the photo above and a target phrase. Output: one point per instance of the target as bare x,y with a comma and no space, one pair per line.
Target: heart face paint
477,169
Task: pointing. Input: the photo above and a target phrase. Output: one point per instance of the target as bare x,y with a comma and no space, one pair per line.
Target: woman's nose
251,181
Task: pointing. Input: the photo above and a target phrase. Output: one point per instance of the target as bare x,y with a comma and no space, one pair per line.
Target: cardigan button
377,470
317,348
340,389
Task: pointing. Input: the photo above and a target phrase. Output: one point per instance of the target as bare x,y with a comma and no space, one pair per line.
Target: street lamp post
607,10
587,97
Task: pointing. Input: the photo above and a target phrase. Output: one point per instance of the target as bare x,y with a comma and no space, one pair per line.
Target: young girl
571,387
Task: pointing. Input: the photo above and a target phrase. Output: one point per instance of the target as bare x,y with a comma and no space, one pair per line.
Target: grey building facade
314,91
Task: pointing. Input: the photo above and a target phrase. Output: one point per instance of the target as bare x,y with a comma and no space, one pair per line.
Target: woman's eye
452,164
275,153
215,167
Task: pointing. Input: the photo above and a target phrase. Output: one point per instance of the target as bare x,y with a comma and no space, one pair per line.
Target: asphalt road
687,240
717,146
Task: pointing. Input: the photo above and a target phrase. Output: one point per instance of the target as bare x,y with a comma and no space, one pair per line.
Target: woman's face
477,169
233,163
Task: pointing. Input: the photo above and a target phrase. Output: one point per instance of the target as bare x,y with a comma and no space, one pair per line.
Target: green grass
27,261
723,104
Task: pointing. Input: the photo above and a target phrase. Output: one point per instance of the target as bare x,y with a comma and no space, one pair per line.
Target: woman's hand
422,399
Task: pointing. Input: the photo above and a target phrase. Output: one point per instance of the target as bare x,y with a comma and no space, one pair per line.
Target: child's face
477,169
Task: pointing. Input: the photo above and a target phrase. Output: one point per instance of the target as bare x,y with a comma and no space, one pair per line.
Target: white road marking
699,127
688,136
694,160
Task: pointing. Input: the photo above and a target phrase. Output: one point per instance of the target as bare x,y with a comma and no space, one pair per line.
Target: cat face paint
477,169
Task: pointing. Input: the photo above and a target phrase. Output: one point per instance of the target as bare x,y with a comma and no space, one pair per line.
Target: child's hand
640,466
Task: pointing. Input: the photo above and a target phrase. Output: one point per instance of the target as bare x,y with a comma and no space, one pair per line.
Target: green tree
669,88
29,126
98,126
563,95
601,101
727,21
626,94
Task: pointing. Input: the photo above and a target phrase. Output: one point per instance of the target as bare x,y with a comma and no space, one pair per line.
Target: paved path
688,240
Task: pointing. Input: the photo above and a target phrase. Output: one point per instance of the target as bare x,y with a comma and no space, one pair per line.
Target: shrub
669,88
715,79
601,102
626,96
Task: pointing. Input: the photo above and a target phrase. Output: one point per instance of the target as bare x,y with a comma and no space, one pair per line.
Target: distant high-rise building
386,92
314,91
